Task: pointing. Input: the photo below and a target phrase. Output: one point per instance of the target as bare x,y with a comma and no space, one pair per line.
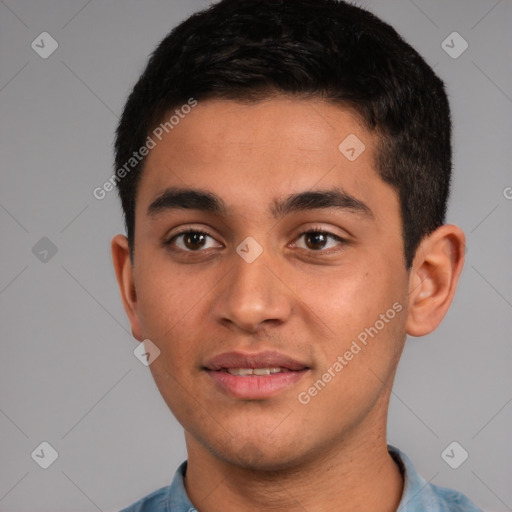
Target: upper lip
266,359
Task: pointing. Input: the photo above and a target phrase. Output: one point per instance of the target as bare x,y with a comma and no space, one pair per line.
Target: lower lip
255,386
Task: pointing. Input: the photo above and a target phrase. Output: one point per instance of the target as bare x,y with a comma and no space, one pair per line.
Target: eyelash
313,230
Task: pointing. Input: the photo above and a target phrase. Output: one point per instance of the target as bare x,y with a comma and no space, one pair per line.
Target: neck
360,475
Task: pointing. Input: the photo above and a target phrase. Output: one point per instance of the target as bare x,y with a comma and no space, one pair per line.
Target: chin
261,456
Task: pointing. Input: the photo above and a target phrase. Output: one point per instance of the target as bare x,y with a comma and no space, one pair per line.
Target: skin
308,302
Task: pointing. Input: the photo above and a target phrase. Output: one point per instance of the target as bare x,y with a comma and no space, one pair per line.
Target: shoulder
172,497
422,496
154,502
452,500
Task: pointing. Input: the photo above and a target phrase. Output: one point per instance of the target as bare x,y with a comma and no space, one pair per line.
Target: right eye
190,241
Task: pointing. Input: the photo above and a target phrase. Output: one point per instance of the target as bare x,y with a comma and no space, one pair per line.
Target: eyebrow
205,201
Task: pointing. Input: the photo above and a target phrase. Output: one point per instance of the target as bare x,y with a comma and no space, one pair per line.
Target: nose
253,295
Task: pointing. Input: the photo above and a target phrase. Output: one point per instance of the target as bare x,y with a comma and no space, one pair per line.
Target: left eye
318,240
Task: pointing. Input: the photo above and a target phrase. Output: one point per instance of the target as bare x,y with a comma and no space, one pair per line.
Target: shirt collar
418,494
177,499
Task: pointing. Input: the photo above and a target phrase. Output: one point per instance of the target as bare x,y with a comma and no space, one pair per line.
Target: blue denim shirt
418,494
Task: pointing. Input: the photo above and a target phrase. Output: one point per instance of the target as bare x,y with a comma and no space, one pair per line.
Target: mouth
254,376
244,372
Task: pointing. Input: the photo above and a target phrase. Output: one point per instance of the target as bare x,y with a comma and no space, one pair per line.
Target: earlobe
125,279
433,278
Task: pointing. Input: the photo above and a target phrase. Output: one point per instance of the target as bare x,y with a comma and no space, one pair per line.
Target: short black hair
249,50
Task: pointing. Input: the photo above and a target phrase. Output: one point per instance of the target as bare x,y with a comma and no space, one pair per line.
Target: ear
433,278
125,279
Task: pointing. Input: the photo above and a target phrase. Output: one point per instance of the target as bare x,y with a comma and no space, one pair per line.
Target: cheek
356,368
174,310
350,301
160,307
365,312
164,293
171,310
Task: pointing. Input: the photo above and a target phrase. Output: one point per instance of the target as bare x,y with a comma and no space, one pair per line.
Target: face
276,293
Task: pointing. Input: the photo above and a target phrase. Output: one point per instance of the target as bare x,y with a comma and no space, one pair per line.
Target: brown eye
319,240
191,241
315,240
194,241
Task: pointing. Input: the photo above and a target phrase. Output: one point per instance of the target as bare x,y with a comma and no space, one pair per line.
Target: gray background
67,372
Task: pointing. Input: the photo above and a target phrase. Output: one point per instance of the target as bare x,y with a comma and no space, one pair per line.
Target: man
284,168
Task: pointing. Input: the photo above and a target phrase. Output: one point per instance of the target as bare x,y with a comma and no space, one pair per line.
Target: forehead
254,153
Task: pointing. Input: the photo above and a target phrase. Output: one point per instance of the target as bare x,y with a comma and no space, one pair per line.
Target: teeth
243,372
262,371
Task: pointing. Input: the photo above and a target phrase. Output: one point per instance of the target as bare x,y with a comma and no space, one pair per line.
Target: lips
267,359
255,376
